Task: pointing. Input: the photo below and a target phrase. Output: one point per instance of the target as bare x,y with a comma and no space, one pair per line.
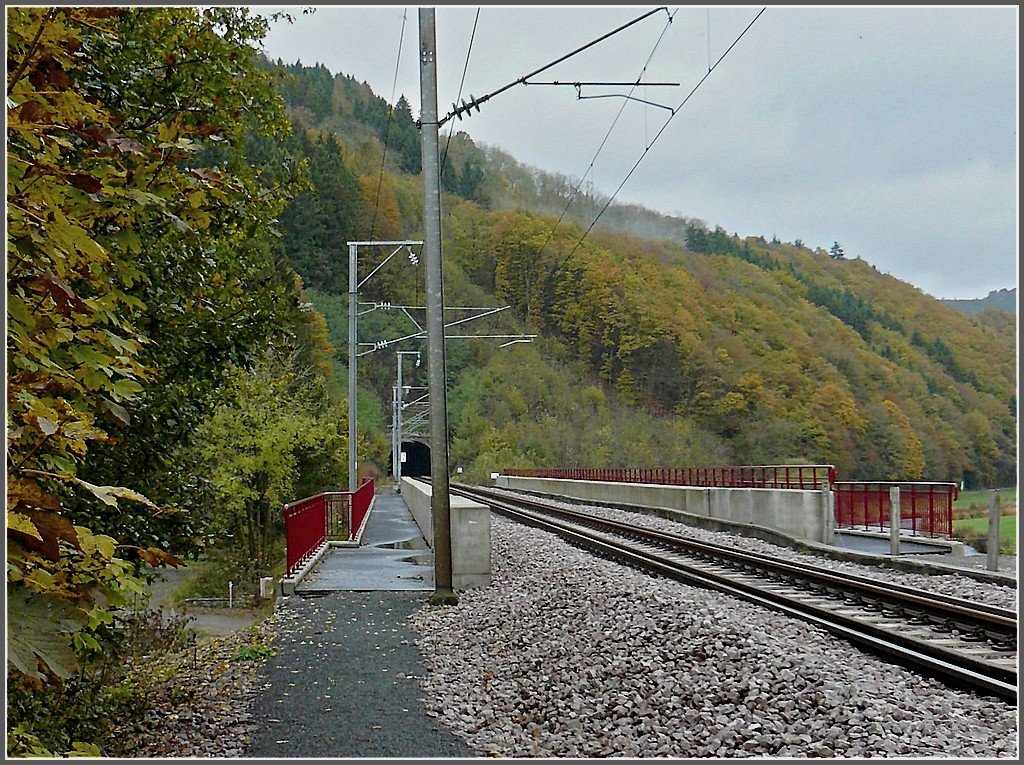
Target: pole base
444,598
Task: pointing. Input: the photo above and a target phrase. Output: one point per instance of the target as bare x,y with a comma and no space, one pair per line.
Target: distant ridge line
1001,300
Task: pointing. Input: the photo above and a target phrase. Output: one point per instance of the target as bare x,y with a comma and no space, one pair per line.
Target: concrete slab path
393,555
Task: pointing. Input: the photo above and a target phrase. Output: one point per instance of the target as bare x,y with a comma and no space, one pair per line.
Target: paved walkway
975,562
916,556
343,681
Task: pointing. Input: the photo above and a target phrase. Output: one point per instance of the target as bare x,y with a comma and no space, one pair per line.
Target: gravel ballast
941,584
570,655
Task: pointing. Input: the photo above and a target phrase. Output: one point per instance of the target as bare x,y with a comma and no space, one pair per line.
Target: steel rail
972,614
954,667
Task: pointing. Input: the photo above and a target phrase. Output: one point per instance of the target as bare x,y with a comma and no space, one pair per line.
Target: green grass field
967,528
980,498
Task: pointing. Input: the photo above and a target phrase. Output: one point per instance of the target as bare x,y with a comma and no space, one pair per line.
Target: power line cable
387,127
465,68
656,137
708,38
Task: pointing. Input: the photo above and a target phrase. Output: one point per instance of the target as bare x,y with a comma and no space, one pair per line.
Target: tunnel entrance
417,459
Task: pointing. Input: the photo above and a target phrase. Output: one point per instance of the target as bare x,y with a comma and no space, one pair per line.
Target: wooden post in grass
992,562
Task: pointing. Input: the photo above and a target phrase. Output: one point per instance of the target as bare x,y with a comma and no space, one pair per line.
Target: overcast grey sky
892,130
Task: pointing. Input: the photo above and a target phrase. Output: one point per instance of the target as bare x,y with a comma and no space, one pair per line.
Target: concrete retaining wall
471,533
799,514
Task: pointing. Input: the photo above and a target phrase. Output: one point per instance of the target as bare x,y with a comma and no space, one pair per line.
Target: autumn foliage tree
134,267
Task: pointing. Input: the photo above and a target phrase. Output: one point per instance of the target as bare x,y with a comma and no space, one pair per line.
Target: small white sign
495,475
458,470
405,457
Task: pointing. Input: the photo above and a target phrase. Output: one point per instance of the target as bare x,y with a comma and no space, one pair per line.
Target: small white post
992,559
231,594
894,520
266,586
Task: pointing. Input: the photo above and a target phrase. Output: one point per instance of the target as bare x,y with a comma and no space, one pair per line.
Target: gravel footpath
570,655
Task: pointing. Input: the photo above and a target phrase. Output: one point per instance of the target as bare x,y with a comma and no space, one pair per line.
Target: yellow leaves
83,748
96,544
110,494
23,524
167,133
380,213
41,580
731,403
901,444
50,528
838,405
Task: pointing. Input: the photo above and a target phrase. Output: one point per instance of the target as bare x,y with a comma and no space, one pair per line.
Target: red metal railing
308,522
925,508
305,524
738,476
337,514
359,506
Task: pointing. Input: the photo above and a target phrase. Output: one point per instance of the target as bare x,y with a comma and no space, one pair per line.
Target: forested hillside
760,352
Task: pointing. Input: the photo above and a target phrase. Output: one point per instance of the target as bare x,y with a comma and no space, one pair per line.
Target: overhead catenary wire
655,139
475,102
387,127
600,148
462,83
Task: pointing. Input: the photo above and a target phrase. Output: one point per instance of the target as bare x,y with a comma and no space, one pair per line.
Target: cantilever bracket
580,85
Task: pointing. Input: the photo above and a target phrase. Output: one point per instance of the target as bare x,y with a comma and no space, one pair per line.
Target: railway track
966,644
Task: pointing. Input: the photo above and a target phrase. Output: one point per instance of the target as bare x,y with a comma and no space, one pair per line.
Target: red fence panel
337,513
305,525
925,508
360,506
308,522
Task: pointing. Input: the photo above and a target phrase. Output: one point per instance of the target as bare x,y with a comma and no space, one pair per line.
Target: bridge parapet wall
471,533
799,513
803,514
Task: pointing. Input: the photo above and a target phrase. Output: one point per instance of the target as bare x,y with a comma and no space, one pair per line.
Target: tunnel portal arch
417,459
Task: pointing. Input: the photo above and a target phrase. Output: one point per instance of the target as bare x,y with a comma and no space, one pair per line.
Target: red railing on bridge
737,476
359,506
309,522
925,508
